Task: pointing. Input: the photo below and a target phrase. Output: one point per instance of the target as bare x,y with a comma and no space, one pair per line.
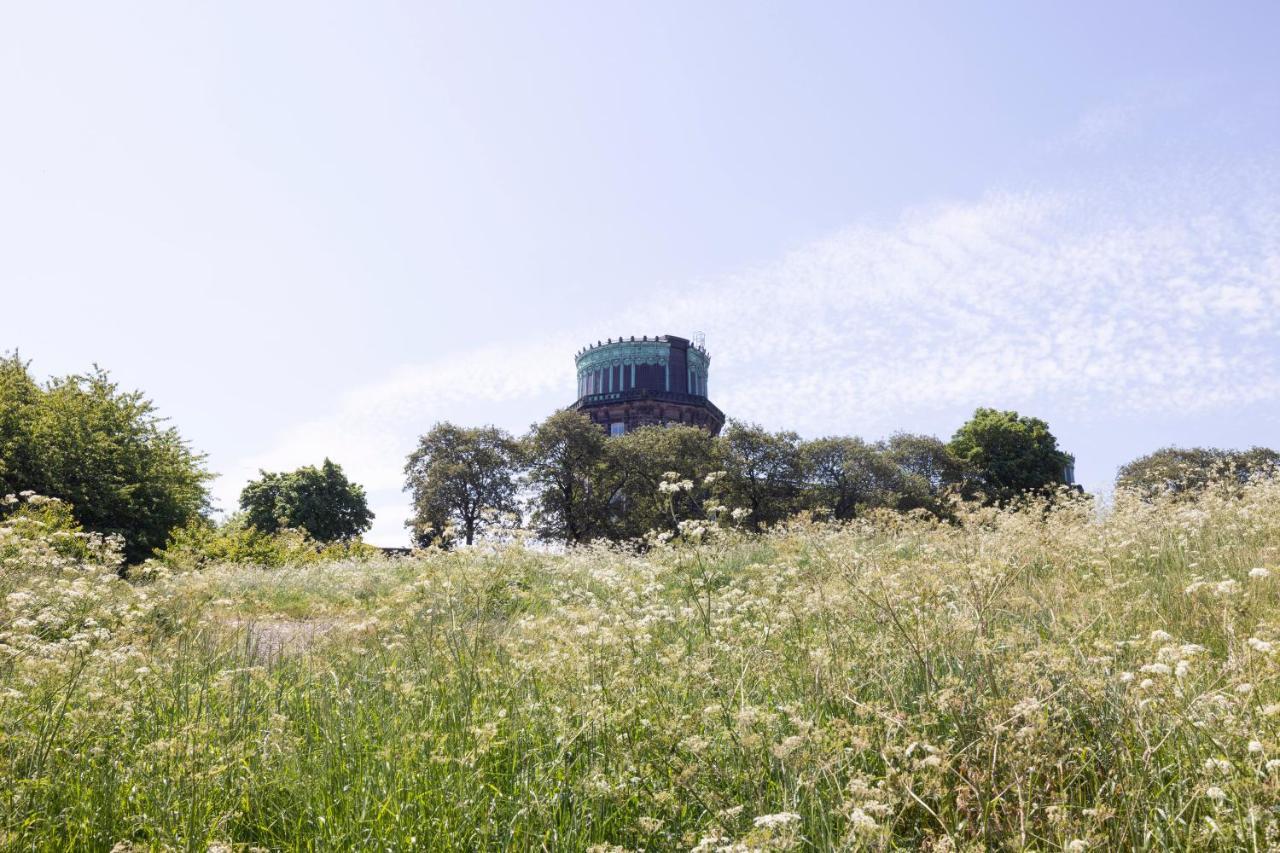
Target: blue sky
313,229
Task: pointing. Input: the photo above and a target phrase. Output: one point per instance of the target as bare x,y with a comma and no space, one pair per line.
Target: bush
104,451
202,543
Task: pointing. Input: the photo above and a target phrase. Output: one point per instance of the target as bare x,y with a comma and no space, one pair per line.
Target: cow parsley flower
773,821
1217,765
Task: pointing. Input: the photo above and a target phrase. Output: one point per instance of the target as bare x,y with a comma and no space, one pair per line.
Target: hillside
1036,679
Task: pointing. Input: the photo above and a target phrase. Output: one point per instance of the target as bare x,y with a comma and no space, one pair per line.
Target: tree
565,459
19,397
929,471
1010,454
321,501
106,452
638,461
764,472
463,477
1187,470
845,474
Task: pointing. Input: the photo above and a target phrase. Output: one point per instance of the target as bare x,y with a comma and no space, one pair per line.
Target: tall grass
1042,679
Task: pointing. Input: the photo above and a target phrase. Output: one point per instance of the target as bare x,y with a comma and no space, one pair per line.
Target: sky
314,229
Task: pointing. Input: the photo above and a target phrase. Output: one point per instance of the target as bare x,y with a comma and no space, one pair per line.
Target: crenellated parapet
665,363
632,382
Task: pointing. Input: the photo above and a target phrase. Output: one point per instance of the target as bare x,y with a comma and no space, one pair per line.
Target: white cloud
1168,303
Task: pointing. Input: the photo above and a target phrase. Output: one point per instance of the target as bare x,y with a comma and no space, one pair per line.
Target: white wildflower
861,822
1217,765
772,821
649,825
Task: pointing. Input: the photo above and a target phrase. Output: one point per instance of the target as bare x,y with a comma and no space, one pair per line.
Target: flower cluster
1042,677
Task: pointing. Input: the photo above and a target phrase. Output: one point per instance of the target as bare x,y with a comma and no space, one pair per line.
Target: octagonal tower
634,382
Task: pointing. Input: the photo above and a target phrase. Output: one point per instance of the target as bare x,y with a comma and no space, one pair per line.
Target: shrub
202,543
104,451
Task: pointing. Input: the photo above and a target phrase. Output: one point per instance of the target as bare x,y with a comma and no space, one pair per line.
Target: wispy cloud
1156,297
1131,113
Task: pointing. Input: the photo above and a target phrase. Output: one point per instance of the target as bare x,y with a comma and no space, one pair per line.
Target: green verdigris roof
636,352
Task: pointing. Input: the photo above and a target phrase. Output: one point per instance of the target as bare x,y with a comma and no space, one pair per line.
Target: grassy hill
1044,679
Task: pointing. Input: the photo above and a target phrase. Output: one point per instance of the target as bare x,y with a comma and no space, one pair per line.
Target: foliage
763,472
931,473
31,517
564,460
321,501
104,451
463,478
1011,454
583,485
637,464
1041,677
202,543
848,475
1179,471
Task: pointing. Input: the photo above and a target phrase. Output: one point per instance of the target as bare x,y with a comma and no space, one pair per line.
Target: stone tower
634,382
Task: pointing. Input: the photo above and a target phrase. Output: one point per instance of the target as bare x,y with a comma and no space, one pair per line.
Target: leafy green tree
19,398
638,461
465,478
321,501
928,473
104,451
1188,470
763,472
566,468
846,474
1011,454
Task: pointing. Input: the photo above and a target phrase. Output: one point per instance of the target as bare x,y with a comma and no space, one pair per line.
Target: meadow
1051,678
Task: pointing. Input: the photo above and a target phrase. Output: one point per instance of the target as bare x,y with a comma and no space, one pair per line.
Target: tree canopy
321,501
564,458
845,475
763,472
1010,453
636,465
462,478
1187,470
104,451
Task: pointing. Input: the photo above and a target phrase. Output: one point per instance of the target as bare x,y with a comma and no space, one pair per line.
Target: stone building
634,382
